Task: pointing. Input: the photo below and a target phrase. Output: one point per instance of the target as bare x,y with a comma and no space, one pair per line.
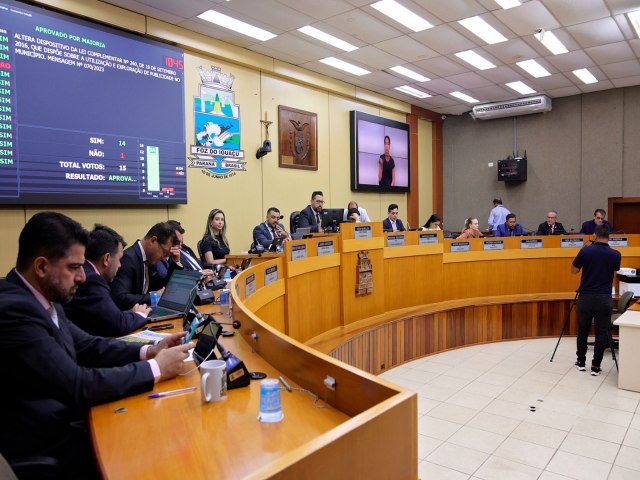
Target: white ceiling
596,32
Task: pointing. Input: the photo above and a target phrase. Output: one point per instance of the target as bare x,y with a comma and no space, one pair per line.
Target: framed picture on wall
297,137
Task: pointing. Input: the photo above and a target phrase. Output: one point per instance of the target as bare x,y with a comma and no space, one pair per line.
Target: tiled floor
503,411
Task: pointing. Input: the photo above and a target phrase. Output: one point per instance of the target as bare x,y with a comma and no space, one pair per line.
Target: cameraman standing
598,263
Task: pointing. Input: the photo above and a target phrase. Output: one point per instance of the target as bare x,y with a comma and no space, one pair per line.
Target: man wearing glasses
393,223
138,274
311,216
551,226
589,227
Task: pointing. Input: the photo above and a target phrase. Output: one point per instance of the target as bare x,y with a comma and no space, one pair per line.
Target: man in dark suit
589,227
270,229
311,216
186,258
138,274
54,371
551,226
393,223
92,307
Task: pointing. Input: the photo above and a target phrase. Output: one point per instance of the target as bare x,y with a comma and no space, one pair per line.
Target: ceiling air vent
523,106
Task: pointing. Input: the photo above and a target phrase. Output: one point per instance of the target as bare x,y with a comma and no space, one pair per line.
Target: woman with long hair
214,246
471,229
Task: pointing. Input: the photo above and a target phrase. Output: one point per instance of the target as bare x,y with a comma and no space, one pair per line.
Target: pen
172,392
164,326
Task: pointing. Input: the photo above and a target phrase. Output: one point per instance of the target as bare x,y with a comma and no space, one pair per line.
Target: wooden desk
629,348
182,437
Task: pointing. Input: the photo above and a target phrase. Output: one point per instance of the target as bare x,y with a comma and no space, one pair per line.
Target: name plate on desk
531,243
493,245
250,285
619,241
363,232
298,252
325,248
427,238
270,275
395,241
460,246
571,242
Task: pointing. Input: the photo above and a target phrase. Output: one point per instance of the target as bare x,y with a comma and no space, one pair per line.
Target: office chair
623,303
41,468
293,221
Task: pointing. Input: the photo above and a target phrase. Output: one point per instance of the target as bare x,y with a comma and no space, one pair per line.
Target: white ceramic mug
214,380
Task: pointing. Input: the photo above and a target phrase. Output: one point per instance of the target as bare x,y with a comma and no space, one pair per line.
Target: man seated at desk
589,227
310,216
138,274
393,223
359,215
551,226
54,371
92,307
265,233
188,259
509,228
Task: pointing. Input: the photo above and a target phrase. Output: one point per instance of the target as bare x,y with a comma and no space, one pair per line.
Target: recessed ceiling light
464,97
327,38
342,65
236,25
549,40
402,15
506,4
634,18
474,59
413,91
533,68
585,75
410,74
482,29
520,87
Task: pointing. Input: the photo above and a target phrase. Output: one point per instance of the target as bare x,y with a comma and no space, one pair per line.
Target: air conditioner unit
522,106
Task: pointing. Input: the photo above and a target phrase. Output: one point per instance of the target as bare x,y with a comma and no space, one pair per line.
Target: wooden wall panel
313,306
394,343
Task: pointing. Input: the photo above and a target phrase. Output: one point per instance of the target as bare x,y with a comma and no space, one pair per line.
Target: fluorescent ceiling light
413,91
634,18
585,75
520,87
410,74
482,29
533,68
549,40
326,38
474,59
342,65
400,14
464,97
506,4
236,25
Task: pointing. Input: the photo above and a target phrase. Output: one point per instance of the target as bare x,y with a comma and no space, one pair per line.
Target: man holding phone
55,371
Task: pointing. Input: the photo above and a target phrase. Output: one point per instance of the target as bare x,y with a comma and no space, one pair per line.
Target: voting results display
88,114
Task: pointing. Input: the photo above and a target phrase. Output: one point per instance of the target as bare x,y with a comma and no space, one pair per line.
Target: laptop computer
177,296
301,233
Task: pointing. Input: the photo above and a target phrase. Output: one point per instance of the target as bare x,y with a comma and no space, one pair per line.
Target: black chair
623,303
293,221
41,468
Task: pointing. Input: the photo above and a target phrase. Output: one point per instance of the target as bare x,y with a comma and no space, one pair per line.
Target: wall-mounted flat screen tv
512,170
379,154
88,114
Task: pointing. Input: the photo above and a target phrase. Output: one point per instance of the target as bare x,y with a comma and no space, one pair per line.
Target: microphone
235,324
